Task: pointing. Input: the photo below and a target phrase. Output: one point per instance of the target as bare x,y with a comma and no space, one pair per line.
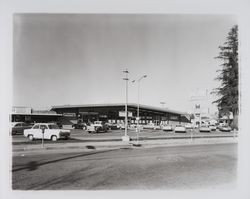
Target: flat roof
134,105
36,114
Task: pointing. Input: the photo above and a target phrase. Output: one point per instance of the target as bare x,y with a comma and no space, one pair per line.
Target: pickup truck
51,132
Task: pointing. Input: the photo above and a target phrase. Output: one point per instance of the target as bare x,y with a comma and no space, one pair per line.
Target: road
179,167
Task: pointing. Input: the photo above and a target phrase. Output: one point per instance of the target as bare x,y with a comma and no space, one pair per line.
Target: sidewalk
109,144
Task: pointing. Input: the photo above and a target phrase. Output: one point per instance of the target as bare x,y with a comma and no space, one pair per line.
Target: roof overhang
134,105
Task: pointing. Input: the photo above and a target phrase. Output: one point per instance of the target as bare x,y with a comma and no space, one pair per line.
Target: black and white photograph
125,102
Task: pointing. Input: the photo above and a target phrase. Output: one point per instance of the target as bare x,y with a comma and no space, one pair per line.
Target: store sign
122,114
89,113
69,114
173,117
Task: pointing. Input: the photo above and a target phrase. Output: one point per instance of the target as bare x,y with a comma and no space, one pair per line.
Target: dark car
79,126
18,127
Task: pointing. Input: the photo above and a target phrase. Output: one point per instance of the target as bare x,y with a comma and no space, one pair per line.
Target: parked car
51,132
180,129
212,127
225,128
121,126
167,128
188,126
79,126
112,126
19,127
151,126
97,126
204,128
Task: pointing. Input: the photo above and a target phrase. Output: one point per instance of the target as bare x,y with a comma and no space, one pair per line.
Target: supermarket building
115,113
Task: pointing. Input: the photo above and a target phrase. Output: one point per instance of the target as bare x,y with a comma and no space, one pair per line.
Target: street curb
153,138
92,146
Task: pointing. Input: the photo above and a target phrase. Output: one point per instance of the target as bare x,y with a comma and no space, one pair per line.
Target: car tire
31,137
54,138
89,131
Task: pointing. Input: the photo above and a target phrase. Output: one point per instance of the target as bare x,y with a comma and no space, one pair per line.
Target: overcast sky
79,59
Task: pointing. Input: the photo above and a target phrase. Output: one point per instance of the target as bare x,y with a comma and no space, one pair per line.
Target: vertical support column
126,137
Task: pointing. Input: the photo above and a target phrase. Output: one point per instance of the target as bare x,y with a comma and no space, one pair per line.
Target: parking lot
78,135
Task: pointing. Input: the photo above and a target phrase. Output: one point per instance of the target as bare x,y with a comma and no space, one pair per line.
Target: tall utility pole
126,137
138,104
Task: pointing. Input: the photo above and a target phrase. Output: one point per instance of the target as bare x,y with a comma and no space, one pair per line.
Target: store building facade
115,113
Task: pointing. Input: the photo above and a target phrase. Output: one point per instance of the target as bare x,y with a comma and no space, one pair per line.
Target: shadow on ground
33,165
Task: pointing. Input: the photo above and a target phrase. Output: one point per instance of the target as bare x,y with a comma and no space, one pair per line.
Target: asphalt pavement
160,168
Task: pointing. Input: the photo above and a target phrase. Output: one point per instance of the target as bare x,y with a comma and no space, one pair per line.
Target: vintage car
19,127
79,125
204,128
121,126
212,127
225,128
51,132
189,126
180,129
167,128
112,126
96,127
151,126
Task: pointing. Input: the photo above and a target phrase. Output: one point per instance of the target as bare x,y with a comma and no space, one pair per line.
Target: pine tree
228,76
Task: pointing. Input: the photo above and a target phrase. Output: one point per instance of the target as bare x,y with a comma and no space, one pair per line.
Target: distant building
111,113
200,107
27,114
115,113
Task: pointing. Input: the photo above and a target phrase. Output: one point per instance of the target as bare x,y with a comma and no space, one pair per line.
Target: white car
51,132
189,126
121,126
212,127
225,128
167,128
204,128
180,128
151,126
96,127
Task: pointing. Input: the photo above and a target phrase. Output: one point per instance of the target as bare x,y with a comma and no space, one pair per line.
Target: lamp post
163,104
138,105
126,137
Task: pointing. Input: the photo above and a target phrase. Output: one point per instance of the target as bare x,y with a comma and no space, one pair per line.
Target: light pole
163,104
138,104
126,137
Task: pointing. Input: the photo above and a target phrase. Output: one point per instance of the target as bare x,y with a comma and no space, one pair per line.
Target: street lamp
163,104
138,104
126,137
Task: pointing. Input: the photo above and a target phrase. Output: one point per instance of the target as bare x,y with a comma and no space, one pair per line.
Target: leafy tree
228,76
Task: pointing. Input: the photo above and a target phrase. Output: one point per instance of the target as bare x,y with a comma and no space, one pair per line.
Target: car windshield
53,126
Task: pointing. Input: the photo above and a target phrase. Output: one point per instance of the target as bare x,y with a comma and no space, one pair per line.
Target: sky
79,58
